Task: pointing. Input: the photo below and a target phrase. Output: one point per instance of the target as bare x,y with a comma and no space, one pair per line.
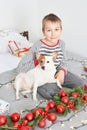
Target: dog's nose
43,67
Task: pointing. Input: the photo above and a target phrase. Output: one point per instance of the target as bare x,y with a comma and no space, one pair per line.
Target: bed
8,60
76,65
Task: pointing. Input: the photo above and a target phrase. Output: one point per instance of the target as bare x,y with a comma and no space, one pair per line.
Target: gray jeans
49,90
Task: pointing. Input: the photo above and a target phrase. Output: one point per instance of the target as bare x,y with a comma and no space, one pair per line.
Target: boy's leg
72,80
49,90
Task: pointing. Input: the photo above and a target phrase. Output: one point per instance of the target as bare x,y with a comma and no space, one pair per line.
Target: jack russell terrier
43,73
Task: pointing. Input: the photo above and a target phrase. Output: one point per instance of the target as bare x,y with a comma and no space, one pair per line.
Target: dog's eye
47,61
41,61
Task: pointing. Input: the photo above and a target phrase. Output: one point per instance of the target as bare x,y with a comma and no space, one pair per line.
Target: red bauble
85,97
36,62
16,125
85,87
70,105
52,117
24,128
85,68
29,116
62,93
51,104
38,111
47,108
79,95
24,122
74,94
65,99
3,119
42,123
60,109
15,117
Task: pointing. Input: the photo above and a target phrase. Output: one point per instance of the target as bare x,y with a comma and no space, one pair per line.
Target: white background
27,15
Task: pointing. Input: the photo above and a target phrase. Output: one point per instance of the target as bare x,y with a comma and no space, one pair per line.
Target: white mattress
8,61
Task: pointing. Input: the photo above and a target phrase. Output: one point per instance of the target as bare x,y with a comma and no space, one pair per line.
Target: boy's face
52,31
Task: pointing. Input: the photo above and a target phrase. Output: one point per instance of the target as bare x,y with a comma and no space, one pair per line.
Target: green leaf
78,102
68,90
66,112
9,121
38,119
79,89
56,98
31,123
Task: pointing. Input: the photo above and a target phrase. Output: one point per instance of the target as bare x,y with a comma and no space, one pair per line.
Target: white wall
27,15
20,15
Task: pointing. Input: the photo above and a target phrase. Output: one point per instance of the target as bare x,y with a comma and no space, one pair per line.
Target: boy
52,29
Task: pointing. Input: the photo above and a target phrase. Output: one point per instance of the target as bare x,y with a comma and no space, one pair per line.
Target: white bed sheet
8,62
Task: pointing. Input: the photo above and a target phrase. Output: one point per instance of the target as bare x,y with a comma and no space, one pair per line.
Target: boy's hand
60,76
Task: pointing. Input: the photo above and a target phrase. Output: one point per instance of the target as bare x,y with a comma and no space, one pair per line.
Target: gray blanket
75,64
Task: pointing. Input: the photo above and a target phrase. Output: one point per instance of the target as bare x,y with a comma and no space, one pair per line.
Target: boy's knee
48,90
45,94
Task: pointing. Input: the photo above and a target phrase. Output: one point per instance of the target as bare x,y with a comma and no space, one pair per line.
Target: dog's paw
18,98
35,99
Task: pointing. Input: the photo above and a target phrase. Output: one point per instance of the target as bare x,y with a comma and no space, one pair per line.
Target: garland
65,101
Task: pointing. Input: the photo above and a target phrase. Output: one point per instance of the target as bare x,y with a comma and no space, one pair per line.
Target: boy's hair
52,18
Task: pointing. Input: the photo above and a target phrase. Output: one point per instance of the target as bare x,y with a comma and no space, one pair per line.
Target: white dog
43,73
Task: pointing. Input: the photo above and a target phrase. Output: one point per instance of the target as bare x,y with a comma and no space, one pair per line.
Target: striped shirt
50,50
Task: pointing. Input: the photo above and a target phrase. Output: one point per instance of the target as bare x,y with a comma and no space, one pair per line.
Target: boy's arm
63,65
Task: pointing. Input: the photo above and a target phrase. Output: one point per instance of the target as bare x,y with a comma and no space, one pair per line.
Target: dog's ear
55,56
37,55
